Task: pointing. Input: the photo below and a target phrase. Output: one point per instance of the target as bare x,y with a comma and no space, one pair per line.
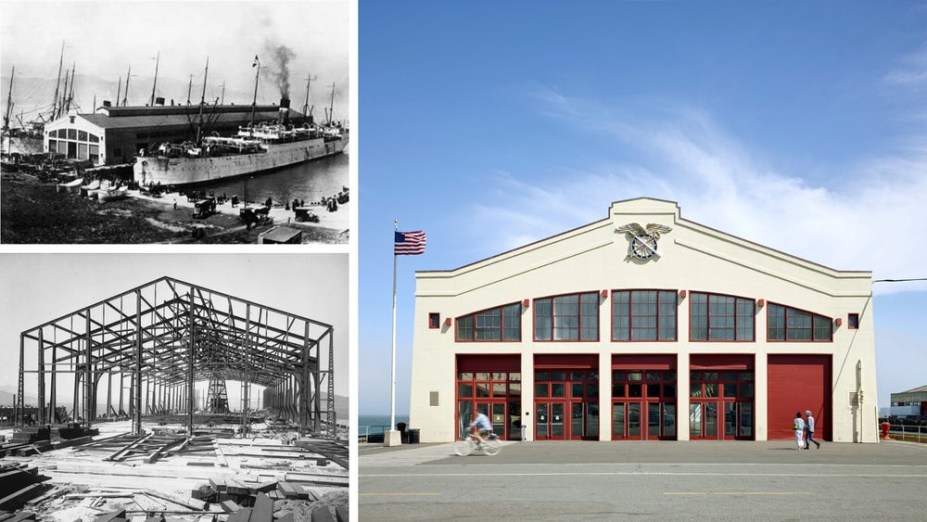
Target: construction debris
273,475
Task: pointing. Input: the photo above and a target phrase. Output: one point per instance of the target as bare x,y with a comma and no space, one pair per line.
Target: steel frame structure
167,335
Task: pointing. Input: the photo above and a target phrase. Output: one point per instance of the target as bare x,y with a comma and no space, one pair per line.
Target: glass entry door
550,420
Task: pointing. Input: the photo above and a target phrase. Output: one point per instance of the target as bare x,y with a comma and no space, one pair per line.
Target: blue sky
798,125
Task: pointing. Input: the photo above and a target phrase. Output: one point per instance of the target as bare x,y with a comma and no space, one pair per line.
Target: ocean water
377,423
310,181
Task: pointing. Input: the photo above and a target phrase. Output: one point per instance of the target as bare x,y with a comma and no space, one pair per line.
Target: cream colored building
644,325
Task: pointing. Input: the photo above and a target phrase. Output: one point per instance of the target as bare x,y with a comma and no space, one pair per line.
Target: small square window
434,320
853,321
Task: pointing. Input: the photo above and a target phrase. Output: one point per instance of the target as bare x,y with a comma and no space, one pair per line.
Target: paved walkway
690,480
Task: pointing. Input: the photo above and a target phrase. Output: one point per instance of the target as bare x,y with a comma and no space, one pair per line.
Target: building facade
644,326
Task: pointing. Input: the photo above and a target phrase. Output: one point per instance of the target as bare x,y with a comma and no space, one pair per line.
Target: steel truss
167,335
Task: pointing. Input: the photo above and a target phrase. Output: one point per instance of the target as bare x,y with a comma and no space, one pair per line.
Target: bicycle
490,446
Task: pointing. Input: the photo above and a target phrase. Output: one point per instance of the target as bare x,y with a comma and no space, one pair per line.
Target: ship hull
156,170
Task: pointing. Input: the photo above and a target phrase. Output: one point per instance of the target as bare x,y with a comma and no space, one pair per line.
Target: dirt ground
32,212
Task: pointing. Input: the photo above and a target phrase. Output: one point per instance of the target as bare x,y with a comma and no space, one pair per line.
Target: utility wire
899,280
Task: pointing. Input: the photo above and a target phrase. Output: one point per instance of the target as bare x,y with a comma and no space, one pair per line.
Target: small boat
86,190
112,194
71,186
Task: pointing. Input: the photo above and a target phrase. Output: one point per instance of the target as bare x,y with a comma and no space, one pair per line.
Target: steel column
42,419
20,413
136,393
53,401
88,374
191,374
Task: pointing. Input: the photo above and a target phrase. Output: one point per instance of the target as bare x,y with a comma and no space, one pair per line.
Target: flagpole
392,382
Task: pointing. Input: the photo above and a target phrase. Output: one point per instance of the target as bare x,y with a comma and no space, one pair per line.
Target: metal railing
908,432
370,433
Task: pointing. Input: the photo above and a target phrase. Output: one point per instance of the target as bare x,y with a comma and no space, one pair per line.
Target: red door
798,383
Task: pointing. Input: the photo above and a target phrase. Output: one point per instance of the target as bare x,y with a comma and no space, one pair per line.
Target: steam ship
256,148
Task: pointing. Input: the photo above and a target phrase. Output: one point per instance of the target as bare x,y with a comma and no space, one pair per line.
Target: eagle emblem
643,241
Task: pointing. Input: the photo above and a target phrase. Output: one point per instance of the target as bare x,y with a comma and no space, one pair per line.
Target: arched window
496,324
573,317
789,324
643,315
715,317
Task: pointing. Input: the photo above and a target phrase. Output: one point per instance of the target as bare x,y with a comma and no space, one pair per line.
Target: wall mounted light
447,321
604,294
526,303
682,294
838,321
760,303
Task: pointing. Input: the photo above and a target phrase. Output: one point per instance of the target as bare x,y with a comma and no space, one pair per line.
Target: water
310,181
377,423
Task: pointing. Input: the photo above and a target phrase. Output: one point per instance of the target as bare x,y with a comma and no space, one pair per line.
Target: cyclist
480,426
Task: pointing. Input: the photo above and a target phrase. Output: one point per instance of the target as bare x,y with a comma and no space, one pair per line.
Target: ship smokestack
284,110
107,103
159,101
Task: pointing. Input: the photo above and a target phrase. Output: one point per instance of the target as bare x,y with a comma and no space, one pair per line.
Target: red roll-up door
798,383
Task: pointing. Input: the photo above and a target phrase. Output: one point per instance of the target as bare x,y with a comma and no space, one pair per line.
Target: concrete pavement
648,480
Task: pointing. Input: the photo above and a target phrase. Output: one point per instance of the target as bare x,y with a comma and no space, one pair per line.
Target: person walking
809,427
798,425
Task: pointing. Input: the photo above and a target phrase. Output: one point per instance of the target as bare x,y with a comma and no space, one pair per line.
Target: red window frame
461,320
434,320
785,339
658,316
737,316
553,318
853,321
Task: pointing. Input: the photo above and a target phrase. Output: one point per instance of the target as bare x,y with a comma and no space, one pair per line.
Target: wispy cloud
910,71
868,218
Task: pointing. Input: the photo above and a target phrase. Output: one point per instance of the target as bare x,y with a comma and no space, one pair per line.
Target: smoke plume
275,69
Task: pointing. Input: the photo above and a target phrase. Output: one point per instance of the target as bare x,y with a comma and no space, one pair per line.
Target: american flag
409,243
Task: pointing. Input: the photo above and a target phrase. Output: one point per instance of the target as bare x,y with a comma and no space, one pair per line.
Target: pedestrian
809,427
798,425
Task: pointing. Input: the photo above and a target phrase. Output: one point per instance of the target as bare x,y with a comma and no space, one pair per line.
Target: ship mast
155,85
126,98
199,123
71,95
64,95
9,102
306,106
118,91
254,100
331,110
223,94
189,89
58,83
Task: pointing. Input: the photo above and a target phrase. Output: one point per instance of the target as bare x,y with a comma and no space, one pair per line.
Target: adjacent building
644,326
114,135
911,402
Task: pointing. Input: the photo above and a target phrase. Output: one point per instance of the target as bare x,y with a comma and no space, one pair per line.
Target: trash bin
886,427
413,435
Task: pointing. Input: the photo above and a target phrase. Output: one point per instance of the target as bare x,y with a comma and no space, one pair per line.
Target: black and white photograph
176,122
190,386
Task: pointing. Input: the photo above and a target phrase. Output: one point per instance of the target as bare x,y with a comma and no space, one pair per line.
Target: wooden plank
112,515
264,487
19,497
219,455
263,509
126,449
243,515
230,506
322,514
157,453
171,498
